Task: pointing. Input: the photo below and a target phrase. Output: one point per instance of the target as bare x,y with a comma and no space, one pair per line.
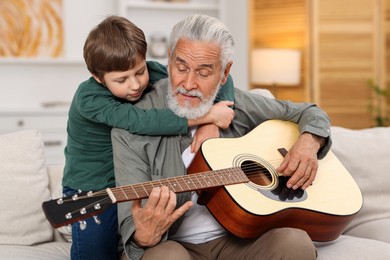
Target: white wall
237,22
29,84
79,18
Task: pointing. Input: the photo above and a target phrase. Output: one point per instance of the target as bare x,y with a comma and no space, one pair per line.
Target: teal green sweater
94,111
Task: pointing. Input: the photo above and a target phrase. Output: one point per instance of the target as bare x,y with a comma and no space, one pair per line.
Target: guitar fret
181,188
124,193
211,180
192,184
146,192
222,177
135,192
186,183
206,184
160,182
181,183
171,186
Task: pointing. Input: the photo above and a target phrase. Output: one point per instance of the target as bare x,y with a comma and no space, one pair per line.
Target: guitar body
250,209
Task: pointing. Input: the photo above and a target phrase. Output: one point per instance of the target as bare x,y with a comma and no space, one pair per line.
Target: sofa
26,182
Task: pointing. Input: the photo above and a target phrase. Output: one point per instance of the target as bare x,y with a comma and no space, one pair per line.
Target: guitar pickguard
264,179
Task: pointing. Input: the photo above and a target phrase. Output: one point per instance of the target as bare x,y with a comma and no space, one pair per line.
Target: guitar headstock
67,210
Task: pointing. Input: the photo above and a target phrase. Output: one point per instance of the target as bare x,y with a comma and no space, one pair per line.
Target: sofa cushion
375,229
24,186
349,247
365,153
45,251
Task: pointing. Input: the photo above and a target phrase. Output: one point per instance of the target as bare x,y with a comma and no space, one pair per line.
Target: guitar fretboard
179,184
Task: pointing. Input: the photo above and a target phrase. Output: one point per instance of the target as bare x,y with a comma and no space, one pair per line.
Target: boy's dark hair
114,45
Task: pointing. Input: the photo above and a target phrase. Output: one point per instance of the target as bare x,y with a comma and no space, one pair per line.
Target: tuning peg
83,211
83,224
75,197
97,220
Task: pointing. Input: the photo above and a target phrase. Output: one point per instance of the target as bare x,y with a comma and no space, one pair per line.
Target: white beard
186,110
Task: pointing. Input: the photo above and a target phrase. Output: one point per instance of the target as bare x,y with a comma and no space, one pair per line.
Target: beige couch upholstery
26,182
366,154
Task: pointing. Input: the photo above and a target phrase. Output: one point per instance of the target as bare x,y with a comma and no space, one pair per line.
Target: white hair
204,28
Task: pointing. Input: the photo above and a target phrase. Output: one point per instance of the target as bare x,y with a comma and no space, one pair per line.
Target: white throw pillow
366,154
24,186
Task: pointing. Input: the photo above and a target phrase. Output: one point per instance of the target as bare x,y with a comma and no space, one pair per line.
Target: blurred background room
335,53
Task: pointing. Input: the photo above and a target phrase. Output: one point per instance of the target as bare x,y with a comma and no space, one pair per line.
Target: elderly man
174,226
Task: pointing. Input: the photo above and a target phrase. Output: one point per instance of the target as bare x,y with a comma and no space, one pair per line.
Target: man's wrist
319,141
134,240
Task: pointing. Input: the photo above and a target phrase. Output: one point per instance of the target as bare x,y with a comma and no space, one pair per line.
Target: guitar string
92,205
250,168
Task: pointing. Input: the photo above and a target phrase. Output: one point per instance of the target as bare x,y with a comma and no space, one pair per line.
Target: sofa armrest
55,172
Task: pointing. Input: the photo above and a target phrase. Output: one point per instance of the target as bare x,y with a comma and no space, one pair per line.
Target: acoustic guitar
238,183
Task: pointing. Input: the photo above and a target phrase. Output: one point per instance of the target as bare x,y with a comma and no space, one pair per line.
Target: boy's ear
226,72
97,78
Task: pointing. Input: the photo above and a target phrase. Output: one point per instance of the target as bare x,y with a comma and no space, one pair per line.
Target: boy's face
129,84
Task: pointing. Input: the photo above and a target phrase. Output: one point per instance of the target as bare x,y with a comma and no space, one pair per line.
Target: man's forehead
197,64
203,54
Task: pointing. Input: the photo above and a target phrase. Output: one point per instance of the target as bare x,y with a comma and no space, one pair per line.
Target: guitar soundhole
257,173
269,183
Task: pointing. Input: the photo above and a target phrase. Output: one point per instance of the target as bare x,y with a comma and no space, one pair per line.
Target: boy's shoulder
155,96
89,82
91,85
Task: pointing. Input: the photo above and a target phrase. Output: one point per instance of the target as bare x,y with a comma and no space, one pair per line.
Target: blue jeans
97,241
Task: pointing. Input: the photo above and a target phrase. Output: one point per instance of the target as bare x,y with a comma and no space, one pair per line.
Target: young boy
115,52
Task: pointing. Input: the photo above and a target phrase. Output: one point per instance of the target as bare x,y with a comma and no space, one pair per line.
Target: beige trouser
282,243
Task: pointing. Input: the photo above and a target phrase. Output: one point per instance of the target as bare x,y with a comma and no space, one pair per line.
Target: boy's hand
221,114
203,133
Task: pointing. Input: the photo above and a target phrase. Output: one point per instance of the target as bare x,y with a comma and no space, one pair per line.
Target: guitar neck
179,184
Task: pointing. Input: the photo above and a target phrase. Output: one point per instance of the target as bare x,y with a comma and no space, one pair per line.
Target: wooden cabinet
347,51
50,122
345,44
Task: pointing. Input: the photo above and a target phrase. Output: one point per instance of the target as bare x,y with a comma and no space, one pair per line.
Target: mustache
195,93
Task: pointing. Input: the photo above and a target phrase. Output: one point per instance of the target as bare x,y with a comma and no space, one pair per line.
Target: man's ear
169,54
226,72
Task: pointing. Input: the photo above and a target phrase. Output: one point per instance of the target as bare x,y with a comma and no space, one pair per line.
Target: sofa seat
44,251
349,247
